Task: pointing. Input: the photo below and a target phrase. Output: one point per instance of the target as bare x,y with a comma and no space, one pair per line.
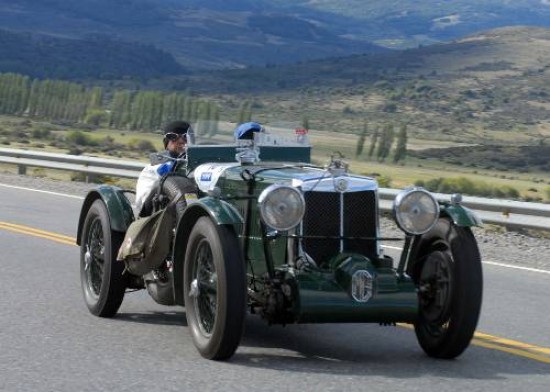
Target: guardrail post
90,177
21,169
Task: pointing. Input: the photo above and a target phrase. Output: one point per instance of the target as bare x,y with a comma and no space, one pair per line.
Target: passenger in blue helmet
245,131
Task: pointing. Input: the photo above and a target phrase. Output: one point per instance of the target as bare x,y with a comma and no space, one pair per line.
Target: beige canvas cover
146,244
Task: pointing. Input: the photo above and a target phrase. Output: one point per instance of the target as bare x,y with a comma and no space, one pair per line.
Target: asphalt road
50,342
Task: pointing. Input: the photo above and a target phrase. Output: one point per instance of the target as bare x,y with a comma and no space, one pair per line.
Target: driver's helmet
178,128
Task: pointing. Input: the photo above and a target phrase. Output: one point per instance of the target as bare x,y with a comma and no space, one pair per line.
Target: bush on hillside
142,145
468,187
80,138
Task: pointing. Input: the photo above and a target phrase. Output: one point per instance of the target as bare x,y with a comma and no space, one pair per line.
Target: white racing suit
148,180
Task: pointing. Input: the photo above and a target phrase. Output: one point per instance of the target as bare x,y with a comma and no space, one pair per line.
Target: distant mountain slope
100,58
410,22
200,34
512,51
214,34
479,88
117,38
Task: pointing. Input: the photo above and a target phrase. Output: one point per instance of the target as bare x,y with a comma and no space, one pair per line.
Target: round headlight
281,206
416,211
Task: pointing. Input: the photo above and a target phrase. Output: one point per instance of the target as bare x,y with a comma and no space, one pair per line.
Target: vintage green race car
252,227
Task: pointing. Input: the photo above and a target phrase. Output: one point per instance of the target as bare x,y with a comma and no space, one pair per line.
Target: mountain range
215,34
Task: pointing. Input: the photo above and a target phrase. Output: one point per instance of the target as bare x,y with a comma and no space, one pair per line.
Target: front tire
103,284
449,278
214,289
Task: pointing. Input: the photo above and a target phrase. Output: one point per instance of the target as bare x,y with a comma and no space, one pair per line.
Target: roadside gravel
507,247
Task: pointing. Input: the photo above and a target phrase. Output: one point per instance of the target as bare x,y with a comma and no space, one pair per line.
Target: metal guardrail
512,214
82,164
508,213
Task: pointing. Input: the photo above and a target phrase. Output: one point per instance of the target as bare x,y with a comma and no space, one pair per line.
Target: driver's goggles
174,136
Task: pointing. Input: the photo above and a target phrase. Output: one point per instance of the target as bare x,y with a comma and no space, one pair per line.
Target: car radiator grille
332,214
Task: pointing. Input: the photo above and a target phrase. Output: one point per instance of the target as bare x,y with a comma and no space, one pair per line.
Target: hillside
43,56
199,34
489,87
406,23
214,34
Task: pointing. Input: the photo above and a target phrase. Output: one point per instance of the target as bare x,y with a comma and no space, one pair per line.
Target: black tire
214,289
103,283
450,282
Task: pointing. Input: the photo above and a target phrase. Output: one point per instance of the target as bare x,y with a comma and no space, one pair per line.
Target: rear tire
103,284
214,289
450,282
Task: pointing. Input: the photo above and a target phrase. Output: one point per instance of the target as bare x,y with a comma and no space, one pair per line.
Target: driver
175,136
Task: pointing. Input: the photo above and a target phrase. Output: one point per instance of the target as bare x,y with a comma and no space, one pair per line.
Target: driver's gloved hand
165,168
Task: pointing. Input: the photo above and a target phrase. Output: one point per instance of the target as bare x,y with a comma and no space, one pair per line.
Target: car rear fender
118,206
221,213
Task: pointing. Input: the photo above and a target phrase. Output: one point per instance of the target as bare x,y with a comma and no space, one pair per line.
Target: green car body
328,269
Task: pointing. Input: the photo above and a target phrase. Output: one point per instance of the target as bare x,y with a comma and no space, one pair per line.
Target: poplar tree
120,109
373,142
361,141
214,119
305,122
401,147
386,141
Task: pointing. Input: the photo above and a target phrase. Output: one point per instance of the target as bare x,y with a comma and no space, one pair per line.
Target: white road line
391,247
540,271
488,262
41,191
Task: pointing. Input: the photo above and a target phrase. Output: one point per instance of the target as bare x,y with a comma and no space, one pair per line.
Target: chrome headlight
416,211
281,206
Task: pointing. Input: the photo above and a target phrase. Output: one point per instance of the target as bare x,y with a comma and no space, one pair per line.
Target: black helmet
178,127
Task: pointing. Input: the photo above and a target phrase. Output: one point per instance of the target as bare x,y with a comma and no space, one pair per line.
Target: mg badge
361,286
342,185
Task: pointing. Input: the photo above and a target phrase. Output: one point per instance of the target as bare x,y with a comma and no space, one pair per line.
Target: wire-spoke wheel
103,284
214,289
450,285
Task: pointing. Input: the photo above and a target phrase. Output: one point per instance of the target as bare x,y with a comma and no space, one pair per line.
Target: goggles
171,136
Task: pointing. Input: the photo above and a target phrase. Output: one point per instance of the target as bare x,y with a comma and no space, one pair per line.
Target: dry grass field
531,184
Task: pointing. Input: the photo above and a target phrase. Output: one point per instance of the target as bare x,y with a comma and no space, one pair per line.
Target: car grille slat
322,219
361,217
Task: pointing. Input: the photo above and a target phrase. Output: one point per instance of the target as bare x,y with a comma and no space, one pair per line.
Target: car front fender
460,215
221,212
118,206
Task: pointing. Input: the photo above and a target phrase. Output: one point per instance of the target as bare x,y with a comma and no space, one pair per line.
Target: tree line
62,101
382,141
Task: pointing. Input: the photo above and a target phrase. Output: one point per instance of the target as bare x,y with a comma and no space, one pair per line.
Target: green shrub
384,182
547,191
90,178
511,192
80,138
75,151
39,172
468,187
142,145
41,133
95,117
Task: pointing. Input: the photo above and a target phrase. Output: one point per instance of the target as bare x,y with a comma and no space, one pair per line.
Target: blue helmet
245,131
